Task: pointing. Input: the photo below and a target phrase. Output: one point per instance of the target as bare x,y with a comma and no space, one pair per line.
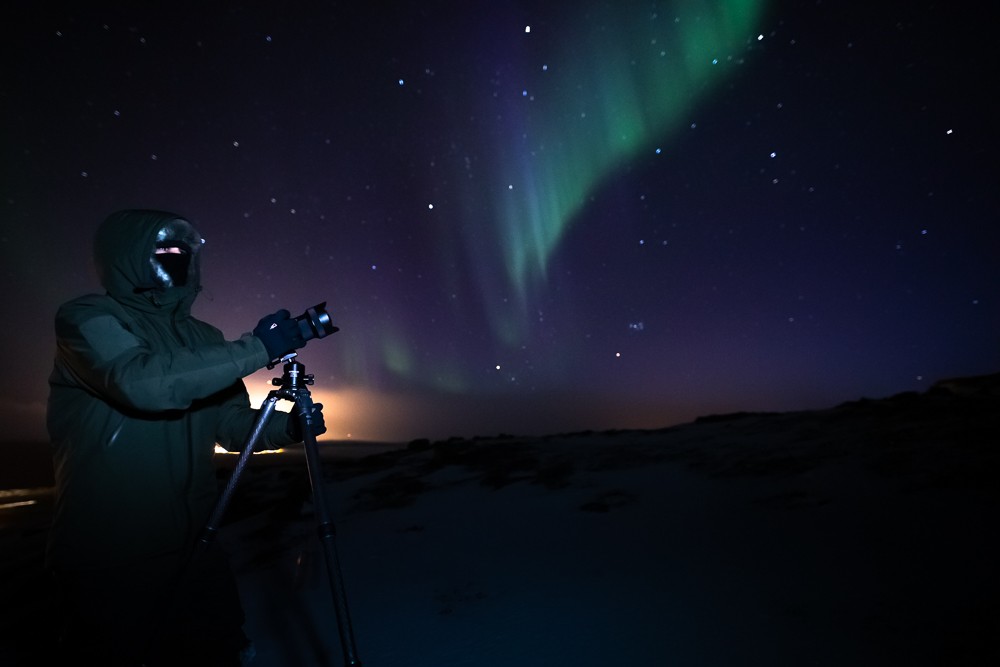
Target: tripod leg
326,531
212,527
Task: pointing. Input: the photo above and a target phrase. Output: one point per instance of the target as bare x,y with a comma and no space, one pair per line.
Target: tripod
292,386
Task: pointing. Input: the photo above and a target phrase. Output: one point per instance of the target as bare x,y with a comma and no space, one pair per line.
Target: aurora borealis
527,217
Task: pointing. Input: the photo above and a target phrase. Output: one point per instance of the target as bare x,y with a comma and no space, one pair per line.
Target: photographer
140,393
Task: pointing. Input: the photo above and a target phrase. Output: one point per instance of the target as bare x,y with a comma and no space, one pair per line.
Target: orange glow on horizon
367,415
349,414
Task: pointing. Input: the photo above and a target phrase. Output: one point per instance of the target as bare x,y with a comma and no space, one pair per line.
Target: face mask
176,244
171,268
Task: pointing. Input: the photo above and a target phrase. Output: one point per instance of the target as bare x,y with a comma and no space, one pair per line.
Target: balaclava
172,269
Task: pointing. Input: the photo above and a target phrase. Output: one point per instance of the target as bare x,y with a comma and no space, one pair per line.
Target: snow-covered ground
665,548
860,535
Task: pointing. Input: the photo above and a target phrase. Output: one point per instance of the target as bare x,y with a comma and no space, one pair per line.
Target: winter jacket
140,393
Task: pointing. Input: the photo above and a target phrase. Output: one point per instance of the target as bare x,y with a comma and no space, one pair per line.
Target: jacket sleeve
104,356
237,419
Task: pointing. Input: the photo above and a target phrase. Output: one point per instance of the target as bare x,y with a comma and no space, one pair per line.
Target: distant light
618,355
510,186
545,68
430,206
400,82
524,93
760,37
949,131
236,144
20,503
527,28
658,151
497,366
773,154
220,450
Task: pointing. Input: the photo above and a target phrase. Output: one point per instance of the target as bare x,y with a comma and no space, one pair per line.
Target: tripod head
294,377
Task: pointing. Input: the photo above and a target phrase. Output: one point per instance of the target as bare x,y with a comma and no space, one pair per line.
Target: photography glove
294,428
280,334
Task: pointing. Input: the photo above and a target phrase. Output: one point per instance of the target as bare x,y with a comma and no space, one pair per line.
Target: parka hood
124,249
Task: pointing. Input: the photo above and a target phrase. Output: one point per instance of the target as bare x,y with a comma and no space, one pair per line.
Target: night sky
526,217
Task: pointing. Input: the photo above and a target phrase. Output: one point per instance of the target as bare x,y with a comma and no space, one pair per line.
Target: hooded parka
140,393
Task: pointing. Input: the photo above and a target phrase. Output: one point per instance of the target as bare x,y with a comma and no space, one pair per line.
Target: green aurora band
629,76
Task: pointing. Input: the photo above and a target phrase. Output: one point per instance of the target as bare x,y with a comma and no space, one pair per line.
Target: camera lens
315,323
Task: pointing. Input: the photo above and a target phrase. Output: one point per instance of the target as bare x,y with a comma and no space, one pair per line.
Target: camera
315,323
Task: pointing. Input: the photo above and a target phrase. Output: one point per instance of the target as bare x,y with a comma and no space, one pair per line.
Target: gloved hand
294,428
280,334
